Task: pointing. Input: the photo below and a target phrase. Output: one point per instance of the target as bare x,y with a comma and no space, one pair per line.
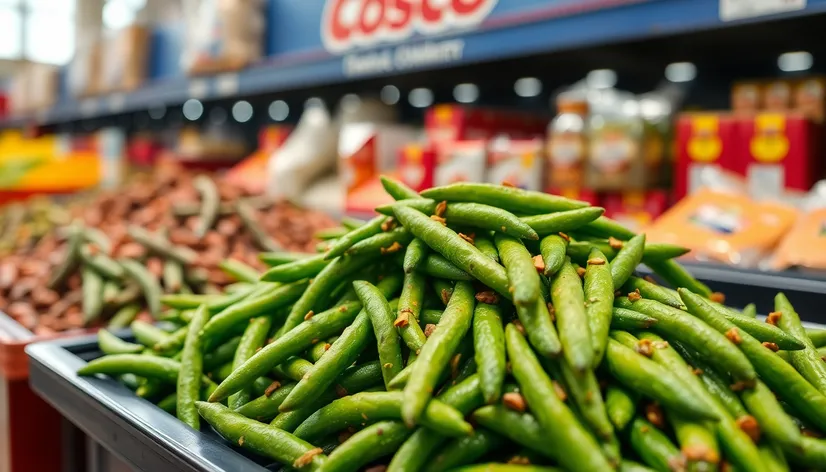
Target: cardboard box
517,162
809,98
777,95
461,161
704,140
124,60
781,153
450,122
417,166
746,97
366,150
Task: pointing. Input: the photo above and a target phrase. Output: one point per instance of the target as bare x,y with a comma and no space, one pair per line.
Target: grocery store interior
216,200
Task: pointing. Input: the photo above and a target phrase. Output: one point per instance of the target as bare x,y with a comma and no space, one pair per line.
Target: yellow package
724,227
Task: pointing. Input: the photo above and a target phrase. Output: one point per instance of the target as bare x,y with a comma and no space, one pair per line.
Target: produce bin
125,431
28,425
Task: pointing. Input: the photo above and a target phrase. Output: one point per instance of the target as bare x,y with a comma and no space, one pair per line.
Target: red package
703,140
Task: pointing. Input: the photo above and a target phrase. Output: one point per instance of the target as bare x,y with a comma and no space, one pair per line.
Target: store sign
349,26
739,9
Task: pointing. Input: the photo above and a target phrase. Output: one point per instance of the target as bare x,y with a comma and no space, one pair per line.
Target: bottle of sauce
567,145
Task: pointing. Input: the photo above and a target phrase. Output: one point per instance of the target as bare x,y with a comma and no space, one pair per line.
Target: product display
161,233
566,360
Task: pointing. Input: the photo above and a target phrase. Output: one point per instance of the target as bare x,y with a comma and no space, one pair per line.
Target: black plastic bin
128,432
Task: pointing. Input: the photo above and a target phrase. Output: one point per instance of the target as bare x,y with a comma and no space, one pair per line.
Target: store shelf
807,291
128,427
513,28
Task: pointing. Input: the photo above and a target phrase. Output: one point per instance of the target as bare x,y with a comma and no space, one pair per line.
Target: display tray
133,429
805,289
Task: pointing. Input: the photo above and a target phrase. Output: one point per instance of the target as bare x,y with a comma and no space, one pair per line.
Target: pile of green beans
515,336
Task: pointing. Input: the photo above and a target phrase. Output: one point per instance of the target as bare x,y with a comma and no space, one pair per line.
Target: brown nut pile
167,204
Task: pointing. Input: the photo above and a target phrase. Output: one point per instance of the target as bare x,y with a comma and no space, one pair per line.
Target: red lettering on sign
347,24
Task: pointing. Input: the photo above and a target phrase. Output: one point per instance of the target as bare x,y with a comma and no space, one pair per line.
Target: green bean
639,373
71,260
169,403
631,466
524,283
102,264
239,270
260,438
697,334
411,301
111,344
355,409
627,259
382,243
191,371
98,238
160,245
489,348
496,467
816,336
322,284
764,332
750,310
436,353
147,282
371,228
773,458
676,275
274,259
111,290
466,450
184,209
294,368
571,318
552,248
435,265
555,223
221,354
152,367
351,223
214,303
521,428
774,422
697,442
654,447
415,255
341,354
389,347
146,334
92,295
247,214
124,316
412,455
255,335
296,270
629,320
210,204
320,348
252,306
653,252
509,198
171,343
807,361
653,291
485,245
397,189
374,441
173,276
782,378
558,422
291,343
813,453
265,407
620,406
458,251
444,289
598,289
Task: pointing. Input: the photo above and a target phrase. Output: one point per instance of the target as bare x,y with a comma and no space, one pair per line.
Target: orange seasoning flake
439,219
615,243
307,457
488,296
654,415
429,329
635,295
272,388
645,347
559,390
539,263
717,297
774,317
580,272
734,336
441,207
514,401
772,346
749,425
388,224
565,237
395,247
467,238
403,319
596,261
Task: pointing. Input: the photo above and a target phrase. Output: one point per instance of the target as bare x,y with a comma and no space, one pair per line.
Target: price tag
198,88
226,84
739,9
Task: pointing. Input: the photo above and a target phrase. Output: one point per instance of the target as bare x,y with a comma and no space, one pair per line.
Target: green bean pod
571,318
274,259
509,198
382,318
411,302
149,284
807,361
553,248
397,189
371,228
555,223
296,270
558,422
653,291
598,289
70,260
381,243
210,204
374,441
489,349
258,437
146,334
437,352
620,406
356,409
124,316
92,295
653,252
246,212
627,259
654,447
239,271
254,338
111,344
624,319
458,251
485,245
522,279
466,450
414,255
696,333
677,276
191,371
160,245
521,428
102,264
